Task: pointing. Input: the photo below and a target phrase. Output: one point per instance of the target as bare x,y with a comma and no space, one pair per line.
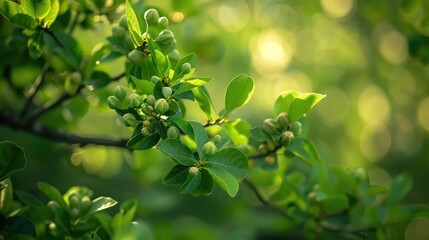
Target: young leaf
28,199
52,193
206,185
178,151
191,183
191,59
205,103
200,136
177,175
302,104
304,150
38,9
133,25
399,188
12,159
143,86
159,58
228,182
9,9
139,142
231,160
98,52
283,102
24,21
100,204
238,131
238,92
53,13
190,84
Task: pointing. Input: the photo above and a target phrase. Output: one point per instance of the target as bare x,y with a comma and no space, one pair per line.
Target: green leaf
335,204
289,189
184,125
140,142
133,25
12,159
376,190
205,103
9,9
191,59
206,185
143,86
178,151
28,199
238,92
99,79
190,84
98,52
228,182
304,150
200,136
35,45
137,230
52,15
24,21
177,175
302,104
38,9
52,193
283,102
399,188
100,204
231,160
159,58
238,131
191,183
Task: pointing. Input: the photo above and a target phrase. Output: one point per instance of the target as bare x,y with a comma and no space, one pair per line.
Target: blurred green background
370,57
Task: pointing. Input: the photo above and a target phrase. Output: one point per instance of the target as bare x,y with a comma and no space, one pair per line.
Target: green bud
145,109
186,68
121,93
209,148
85,204
161,106
146,131
118,31
151,109
217,138
135,100
296,128
150,99
53,205
270,160
151,16
263,149
246,149
287,138
129,119
155,79
75,78
146,123
194,171
136,56
74,200
166,40
173,132
74,213
270,146
167,91
283,121
162,22
270,126
113,102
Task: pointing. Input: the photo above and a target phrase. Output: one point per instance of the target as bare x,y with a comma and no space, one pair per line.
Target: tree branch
60,136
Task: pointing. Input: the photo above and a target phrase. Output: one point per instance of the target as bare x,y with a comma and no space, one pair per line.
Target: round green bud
129,119
209,148
74,200
121,93
246,149
270,146
151,16
286,139
173,132
270,160
146,131
167,91
186,68
163,22
150,99
146,123
217,138
263,149
85,204
53,205
165,37
194,171
74,213
135,100
155,79
113,102
151,109
283,121
118,31
123,22
75,78
145,109
270,126
296,128
136,56
161,106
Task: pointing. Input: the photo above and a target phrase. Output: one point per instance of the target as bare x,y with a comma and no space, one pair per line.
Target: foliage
310,193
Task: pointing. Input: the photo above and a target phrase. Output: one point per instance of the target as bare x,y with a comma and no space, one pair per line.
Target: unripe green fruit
85,204
162,22
263,149
270,126
155,79
270,146
53,205
74,213
283,121
113,102
296,128
173,132
129,119
165,37
146,123
121,93
194,171
118,31
167,91
151,16
135,100
186,68
217,138
146,131
270,160
161,106
73,200
287,138
209,148
136,56
150,99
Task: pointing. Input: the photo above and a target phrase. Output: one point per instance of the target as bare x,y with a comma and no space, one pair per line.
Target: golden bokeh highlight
337,8
393,47
177,17
423,113
335,107
233,16
373,106
375,142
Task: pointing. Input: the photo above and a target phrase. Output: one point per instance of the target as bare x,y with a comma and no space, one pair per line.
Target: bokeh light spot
234,15
375,142
393,47
177,17
423,113
337,8
373,106
418,229
335,107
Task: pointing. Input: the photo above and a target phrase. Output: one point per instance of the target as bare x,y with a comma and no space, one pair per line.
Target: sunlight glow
423,113
233,16
373,106
375,142
337,8
393,47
